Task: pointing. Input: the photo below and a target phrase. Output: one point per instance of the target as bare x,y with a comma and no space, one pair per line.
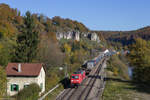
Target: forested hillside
14,28
127,37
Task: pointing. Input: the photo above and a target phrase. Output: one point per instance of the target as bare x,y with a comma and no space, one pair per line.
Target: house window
26,85
14,87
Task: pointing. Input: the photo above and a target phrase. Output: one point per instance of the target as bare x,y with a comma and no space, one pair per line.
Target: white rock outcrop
75,35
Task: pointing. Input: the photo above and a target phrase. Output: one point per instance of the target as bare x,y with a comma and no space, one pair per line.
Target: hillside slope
126,37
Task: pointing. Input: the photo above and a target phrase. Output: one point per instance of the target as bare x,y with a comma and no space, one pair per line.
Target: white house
20,75
106,51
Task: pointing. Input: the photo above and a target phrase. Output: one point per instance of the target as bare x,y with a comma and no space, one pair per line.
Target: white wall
106,51
41,79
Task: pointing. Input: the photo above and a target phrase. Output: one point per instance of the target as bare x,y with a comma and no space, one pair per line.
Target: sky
113,15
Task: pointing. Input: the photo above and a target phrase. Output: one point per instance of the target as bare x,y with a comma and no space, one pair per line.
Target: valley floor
118,89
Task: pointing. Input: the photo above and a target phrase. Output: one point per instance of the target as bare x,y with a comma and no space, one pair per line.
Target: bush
115,71
3,82
118,67
29,93
52,79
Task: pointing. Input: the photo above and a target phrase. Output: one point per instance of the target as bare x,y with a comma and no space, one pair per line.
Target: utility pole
66,75
66,70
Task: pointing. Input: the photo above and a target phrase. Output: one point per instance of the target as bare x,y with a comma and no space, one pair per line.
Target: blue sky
95,14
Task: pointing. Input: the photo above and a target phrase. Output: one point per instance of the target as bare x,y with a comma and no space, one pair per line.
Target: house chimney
19,67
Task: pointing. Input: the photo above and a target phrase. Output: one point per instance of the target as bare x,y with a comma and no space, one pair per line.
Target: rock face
75,35
94,37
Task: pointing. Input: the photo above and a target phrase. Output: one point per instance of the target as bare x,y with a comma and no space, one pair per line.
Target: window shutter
17,86
41,85
11,87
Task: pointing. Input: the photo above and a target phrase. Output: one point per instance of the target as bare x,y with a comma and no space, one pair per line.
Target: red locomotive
77,77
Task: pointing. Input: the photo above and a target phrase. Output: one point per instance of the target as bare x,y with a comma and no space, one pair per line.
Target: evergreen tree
27,41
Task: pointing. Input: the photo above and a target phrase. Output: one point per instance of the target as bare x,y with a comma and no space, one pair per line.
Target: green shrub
29,93
3,82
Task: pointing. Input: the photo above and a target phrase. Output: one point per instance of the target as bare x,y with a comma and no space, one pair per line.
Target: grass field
119,90
118,87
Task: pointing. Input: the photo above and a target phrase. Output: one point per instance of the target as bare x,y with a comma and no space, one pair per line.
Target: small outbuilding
21,75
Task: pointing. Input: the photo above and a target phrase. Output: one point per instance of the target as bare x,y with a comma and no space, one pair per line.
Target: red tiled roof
27,69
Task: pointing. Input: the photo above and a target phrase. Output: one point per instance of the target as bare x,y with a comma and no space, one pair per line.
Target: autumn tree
76,45
49,52
139,58
67,51
5,56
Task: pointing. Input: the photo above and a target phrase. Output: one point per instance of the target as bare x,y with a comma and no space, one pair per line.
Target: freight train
78,77
89,65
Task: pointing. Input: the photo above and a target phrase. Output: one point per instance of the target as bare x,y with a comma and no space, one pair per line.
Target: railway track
69,93
87,90
84,90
